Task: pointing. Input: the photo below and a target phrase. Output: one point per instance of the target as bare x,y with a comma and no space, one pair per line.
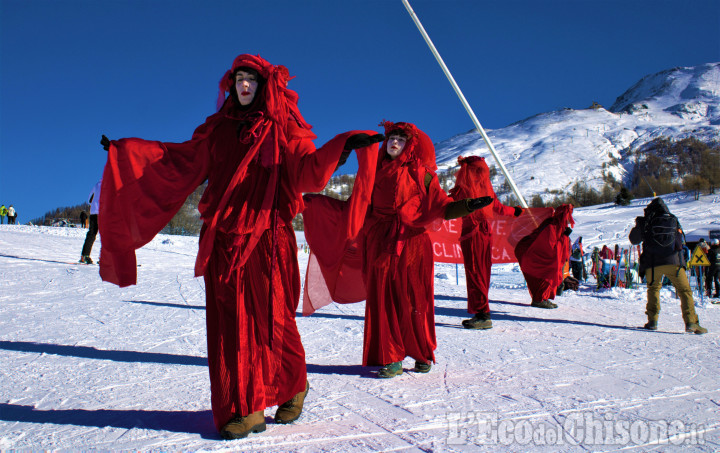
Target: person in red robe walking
397,253
473,180
257,156
542,255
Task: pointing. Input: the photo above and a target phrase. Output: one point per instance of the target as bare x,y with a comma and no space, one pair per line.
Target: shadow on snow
103,354
166,304
331,316
200,422
462,313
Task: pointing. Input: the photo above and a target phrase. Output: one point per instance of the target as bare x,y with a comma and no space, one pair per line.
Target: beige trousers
679,280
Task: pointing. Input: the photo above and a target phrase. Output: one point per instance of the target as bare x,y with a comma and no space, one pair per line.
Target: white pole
465,103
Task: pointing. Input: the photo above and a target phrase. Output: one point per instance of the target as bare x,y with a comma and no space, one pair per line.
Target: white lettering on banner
451,226
435,248
444,250
498,226
500,254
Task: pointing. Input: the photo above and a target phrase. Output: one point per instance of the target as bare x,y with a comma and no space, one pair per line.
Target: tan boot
290,411
241,425
695,328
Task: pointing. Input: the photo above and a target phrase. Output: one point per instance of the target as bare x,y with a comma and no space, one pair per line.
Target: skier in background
94,200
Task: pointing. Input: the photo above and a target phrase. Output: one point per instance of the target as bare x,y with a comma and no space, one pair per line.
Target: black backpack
662,235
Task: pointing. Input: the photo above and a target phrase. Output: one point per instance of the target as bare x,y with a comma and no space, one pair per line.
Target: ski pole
465,104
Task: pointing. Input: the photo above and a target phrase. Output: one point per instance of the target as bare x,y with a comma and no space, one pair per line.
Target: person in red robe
473,180
397,253
542,255
257,156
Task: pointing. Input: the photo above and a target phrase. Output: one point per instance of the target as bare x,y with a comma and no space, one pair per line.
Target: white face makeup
395,145
246,85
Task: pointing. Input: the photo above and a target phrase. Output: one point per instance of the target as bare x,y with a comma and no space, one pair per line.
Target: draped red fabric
334,271
543,253
257,162
472,181
396,255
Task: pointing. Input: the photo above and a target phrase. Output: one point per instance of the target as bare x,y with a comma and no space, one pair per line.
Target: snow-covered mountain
551,151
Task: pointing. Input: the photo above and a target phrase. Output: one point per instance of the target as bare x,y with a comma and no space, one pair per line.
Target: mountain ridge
551,151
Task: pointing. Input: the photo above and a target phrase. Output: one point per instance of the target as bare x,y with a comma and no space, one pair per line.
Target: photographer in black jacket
662,239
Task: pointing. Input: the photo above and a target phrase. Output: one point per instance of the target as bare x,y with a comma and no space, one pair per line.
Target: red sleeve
331,230
426,209
501,209
310,169
144,184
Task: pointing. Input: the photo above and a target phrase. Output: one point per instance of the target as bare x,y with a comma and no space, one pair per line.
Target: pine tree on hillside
624,197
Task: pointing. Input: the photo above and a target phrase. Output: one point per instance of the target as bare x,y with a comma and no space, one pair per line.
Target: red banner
506,231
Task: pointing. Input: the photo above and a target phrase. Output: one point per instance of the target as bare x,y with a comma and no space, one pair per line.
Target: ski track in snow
87,365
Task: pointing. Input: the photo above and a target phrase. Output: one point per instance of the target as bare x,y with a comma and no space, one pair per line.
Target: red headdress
419,147
563,215
473,180
272,108
279,102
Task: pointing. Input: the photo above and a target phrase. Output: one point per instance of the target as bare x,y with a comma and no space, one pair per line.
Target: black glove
105,142
473,204
362,140
343,158
518,211
567,231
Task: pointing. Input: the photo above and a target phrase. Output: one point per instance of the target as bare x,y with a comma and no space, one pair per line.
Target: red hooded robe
392,247
472,181
543,253
257,161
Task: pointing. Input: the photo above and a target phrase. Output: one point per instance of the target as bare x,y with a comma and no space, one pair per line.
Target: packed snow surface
86,365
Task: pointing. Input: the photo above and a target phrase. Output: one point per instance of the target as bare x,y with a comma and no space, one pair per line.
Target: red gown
398,258
543,253
257,165
395,256
472,181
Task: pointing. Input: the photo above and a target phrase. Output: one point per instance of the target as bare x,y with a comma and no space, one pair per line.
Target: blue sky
71,70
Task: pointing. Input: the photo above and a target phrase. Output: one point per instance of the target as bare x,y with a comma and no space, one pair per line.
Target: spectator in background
94,200
577,264
3,213
704,245
607,260
11,215
702,271
713,272
661,236
83,219
595,257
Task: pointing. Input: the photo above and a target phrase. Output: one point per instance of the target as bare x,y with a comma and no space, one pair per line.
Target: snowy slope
552,151
86,365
